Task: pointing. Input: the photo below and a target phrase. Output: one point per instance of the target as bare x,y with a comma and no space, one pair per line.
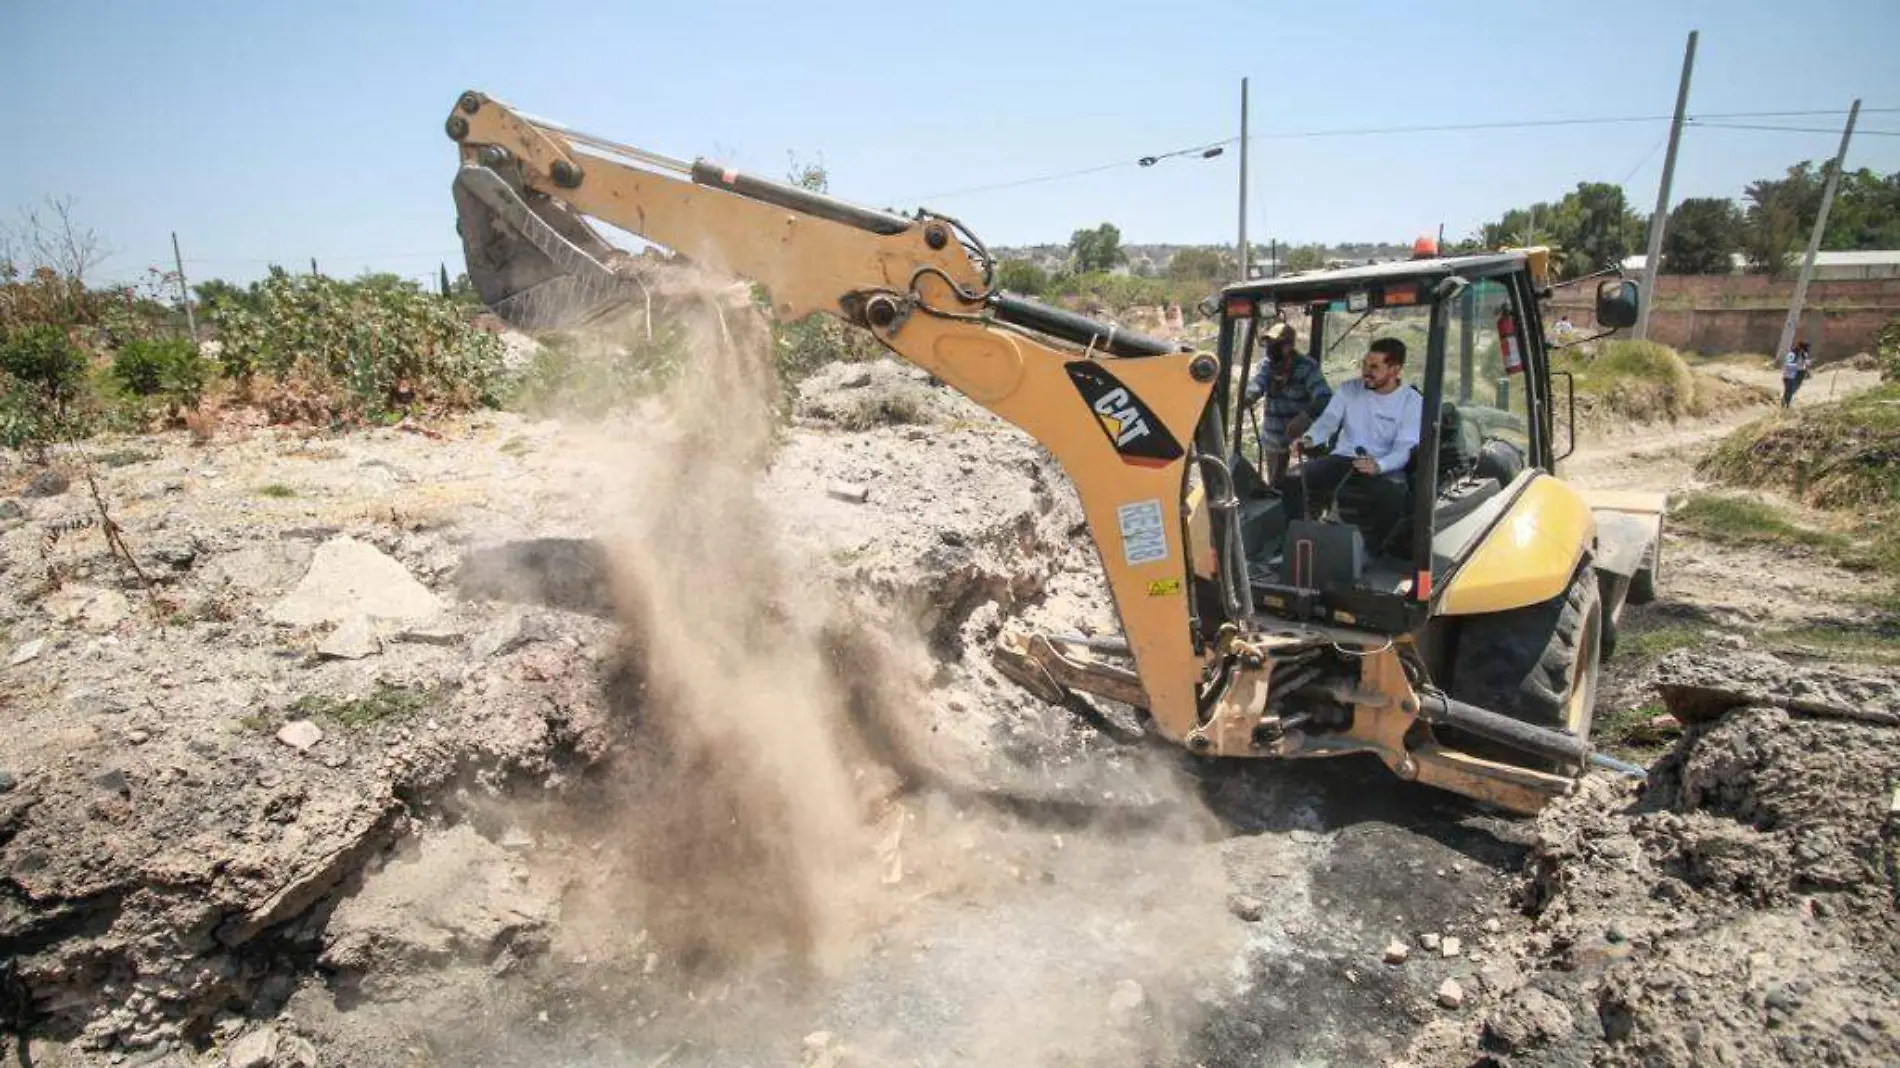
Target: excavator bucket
533,260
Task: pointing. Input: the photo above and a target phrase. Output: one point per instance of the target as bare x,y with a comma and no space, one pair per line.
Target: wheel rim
1581,701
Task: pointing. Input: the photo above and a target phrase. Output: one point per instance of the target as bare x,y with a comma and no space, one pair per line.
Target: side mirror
1618,303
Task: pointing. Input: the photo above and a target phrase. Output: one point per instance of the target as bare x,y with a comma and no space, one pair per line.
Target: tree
1597,227
1099,249
1703,233
48,237
1021,276
1866,212
1590,228
1780,213
1305,258
1201,265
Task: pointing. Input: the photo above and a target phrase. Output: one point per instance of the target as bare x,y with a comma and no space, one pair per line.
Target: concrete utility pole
1243,180
1652,257
184,291
1789,328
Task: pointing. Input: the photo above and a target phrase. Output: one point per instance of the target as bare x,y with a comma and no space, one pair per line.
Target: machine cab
1474,357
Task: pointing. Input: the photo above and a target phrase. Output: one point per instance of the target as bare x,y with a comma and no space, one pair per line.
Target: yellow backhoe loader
1462,649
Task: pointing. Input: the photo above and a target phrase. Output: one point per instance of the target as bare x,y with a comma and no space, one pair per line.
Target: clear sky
266,131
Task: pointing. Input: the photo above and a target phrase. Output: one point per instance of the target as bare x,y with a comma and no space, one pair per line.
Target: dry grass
1643,382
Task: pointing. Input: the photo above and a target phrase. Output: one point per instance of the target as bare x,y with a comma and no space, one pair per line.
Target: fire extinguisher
1508,343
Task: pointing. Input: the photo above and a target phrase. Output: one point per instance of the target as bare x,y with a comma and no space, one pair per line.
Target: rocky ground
361,771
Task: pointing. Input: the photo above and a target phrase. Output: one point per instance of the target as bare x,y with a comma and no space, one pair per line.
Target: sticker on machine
1144,537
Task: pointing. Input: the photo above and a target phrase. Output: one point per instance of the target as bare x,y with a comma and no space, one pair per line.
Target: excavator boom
1117,409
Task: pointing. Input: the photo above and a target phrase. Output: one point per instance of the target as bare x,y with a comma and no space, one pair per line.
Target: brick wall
1744,313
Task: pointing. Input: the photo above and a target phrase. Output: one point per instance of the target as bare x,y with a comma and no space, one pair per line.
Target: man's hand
1250,398
1365,465
1294,448
1298,425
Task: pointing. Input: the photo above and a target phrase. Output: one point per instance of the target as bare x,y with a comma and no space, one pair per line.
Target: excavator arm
1119,411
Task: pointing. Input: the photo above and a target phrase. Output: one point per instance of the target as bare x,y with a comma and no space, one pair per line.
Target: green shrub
1887,350
804,347
170,369
44,359
369,347
590,374
42,378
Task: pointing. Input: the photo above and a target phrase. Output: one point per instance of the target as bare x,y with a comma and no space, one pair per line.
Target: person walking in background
1794,371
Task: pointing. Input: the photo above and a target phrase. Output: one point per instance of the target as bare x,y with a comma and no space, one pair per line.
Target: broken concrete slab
353,639
432,632
258,1049
300,735
349,577
507,634
90,608
849,492
1699,687
26,651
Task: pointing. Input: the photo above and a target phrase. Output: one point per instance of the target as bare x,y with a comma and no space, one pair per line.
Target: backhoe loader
1462,651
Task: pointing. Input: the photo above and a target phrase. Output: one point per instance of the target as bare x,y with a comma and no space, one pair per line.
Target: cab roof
1291,286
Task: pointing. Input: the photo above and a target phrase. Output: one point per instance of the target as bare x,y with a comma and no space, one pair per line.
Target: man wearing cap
1295,392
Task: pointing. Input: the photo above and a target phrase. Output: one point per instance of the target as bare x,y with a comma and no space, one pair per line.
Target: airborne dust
795,868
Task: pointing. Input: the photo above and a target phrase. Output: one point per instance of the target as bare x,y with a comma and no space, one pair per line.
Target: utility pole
1243,180
313,267
1789,328
184,290
1652,257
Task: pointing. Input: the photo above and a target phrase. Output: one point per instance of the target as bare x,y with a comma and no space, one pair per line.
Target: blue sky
277,132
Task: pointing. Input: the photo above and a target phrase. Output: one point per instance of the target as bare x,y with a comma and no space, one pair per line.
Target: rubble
1698,687
1451,994
349,578
300,735
353,639
1396,952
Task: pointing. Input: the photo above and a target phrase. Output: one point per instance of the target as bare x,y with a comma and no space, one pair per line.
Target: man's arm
1316,385
1328,422
1257,386
1408,433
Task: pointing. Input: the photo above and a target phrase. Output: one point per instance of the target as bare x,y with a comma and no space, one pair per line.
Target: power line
1789,129
1647,156
1206,148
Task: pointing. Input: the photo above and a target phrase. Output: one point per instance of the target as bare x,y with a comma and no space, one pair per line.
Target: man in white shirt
1377,419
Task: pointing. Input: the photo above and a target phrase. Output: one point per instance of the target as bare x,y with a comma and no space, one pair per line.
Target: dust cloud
790,850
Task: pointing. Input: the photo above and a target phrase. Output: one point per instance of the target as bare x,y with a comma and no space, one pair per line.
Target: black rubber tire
1529,663
1642,587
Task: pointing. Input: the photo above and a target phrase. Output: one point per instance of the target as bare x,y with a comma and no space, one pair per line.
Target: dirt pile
1739,909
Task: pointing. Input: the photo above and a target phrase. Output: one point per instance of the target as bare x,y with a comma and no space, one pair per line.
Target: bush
591,375
804,347
44,359
42,375
1642,381
1887,350
365,348
1021,276
172,370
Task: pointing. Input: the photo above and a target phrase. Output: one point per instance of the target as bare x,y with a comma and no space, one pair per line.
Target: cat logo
1138,437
